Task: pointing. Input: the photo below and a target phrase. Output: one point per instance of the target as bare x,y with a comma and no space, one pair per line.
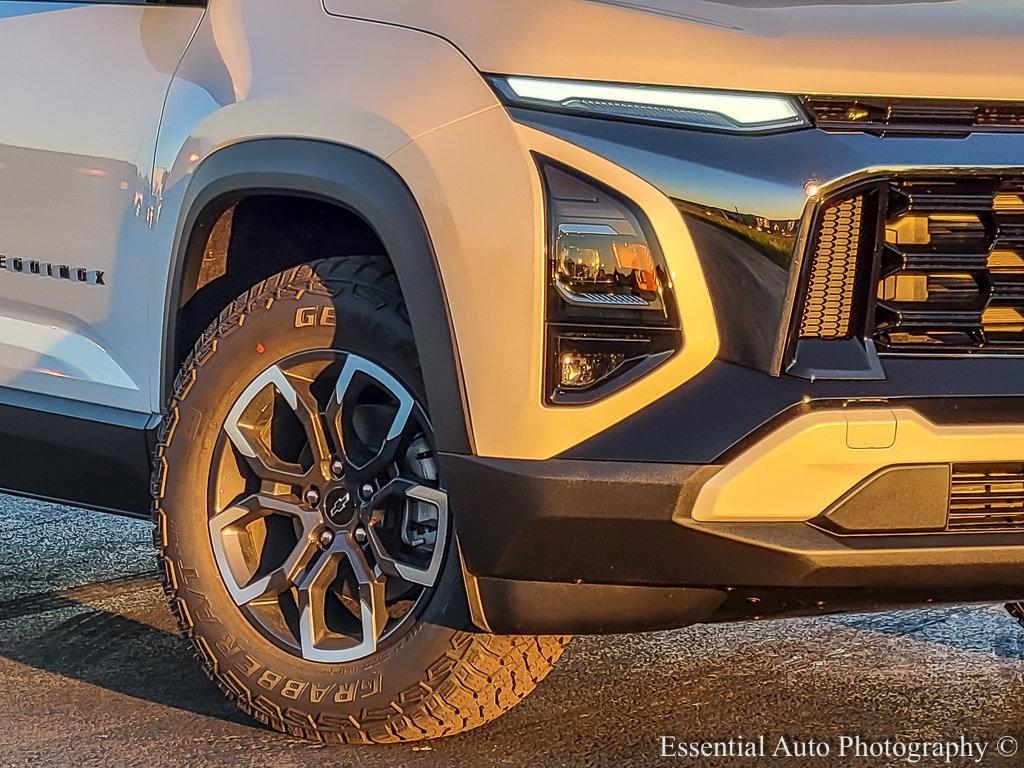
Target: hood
967,49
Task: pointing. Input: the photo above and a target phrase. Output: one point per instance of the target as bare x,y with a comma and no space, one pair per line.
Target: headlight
604,260
693,108
611,313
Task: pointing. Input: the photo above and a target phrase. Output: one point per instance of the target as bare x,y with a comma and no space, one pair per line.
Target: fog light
583,370
585,366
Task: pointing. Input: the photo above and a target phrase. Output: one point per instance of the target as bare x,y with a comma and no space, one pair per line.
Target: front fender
369,188
246,114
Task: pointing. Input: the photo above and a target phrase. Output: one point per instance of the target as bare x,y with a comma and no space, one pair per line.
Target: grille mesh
986,497
830,289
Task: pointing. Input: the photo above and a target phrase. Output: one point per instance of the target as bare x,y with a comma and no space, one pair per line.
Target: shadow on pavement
609,699
106,649
948,627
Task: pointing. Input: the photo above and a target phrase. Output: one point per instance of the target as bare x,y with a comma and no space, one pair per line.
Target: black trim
786,602
534,607
801,556
600,522
372,190
922,117
726,407
849,359
61,452
893,500
573,546
549,608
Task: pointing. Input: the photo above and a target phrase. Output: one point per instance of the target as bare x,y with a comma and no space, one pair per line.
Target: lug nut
326,538
360,534
312,497
367,491
337,469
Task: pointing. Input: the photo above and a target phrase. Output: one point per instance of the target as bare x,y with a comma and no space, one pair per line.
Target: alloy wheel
327,519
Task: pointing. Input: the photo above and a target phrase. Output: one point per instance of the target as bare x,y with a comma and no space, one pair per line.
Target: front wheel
305,532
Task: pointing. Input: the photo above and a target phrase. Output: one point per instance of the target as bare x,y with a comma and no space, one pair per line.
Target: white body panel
477,224
856,47
426,111
81,90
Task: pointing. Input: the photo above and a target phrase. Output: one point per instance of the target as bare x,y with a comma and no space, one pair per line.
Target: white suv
431,333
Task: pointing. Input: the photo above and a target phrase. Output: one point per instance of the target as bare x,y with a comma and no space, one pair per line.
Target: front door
82,86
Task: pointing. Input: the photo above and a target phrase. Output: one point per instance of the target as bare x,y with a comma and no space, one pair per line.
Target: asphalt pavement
92,673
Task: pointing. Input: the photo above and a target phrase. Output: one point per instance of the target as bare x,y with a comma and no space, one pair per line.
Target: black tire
436,678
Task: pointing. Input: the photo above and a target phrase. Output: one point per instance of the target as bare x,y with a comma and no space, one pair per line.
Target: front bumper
604,546
745,486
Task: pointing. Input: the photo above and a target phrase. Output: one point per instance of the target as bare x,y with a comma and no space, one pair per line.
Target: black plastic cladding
76,453
371,189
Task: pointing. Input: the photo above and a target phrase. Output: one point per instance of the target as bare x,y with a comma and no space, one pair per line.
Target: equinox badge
56,271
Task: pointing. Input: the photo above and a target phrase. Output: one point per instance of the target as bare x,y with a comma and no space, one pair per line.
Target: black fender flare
369,188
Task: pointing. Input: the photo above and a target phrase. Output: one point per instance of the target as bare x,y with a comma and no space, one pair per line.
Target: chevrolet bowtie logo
340,504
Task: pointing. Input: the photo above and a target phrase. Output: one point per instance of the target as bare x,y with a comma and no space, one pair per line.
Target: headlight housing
610,311
730,111
603,257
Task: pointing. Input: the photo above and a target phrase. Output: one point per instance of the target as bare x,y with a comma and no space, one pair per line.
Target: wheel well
238,241
296,199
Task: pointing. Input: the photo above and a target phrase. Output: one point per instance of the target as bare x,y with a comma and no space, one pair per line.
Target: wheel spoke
318,641
248,427
229,535
394,560
312,421
362,460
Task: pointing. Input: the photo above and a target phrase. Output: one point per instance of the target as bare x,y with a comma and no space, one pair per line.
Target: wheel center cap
340,507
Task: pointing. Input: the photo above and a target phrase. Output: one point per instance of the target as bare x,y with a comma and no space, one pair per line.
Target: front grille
912,264
951,277
986,497
914,116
